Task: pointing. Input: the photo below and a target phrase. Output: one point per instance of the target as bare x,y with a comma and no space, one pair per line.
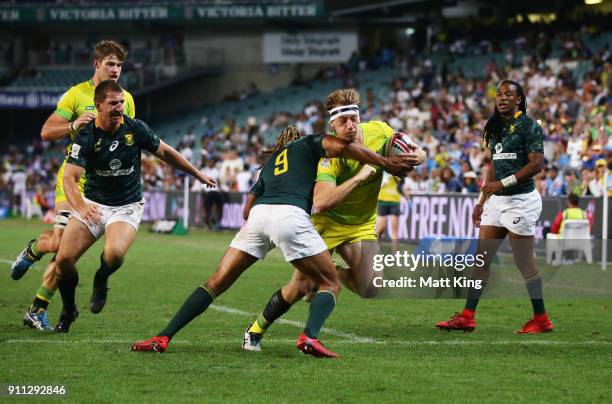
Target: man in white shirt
18,178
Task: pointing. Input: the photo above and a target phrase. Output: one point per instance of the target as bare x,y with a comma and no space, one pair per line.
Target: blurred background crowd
443,110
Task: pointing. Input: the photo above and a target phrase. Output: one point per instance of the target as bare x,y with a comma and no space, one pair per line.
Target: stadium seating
51,79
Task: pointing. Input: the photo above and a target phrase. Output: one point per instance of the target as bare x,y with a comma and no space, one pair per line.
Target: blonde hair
289,134
109,47
343,96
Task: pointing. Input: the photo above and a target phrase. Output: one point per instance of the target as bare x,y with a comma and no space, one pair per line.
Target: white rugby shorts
517,213
130,213
284,226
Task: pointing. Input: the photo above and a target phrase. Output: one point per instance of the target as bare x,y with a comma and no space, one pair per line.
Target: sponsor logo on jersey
115,173
129,139
325,163
74,152
504,156
90,108
499,148
511,128
98,145
115,164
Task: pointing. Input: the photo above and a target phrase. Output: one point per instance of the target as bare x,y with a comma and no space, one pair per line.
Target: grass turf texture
407,359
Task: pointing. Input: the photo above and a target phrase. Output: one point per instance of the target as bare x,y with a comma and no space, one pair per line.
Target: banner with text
421,216
314,47
29,99
162,12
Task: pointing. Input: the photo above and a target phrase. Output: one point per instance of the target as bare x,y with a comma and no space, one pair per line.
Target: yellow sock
257,327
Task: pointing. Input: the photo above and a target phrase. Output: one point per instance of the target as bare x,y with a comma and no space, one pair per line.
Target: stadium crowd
441,109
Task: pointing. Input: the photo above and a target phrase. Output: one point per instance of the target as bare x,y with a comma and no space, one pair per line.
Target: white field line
331,331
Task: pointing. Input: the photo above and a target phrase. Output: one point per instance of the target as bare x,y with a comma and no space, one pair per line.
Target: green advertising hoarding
170,12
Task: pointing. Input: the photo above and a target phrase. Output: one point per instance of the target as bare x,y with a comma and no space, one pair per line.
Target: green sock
33,250
474,296
534,289
43,298
195,305
320,308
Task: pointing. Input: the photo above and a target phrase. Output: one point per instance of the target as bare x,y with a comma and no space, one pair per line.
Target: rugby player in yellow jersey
75,109
389,199
344,207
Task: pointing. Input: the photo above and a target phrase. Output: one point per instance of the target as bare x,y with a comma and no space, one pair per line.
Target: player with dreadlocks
278,214
509,204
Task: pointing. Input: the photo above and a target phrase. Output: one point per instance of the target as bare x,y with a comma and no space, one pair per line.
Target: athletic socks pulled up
195,305
320,308
67,286
103,273
42,299
275,308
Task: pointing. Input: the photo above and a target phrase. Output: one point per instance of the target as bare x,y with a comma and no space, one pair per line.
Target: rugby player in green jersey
509,204
344,212
277,213
74,110
107,150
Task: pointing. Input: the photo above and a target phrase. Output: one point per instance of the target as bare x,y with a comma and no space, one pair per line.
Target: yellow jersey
388,191
80,98
359,206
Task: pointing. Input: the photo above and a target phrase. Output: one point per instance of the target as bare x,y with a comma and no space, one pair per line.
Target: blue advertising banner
29,99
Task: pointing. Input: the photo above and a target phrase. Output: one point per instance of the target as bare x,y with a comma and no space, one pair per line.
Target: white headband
352,109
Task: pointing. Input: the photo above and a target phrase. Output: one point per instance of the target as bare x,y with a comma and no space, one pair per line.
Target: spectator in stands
571,185
554,182
586,175
469,183
596,184
18,179
449,182
244,179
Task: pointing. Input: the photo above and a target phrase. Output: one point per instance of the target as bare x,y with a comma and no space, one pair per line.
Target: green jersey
288,177
510,149
112,160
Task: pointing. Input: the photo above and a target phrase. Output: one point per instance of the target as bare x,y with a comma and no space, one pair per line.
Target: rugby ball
399,144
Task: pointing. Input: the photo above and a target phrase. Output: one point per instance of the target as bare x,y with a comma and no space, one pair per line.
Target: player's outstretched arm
89,212
336,147
175,159
57,127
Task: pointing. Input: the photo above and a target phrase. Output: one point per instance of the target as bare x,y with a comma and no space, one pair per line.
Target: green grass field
390,351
